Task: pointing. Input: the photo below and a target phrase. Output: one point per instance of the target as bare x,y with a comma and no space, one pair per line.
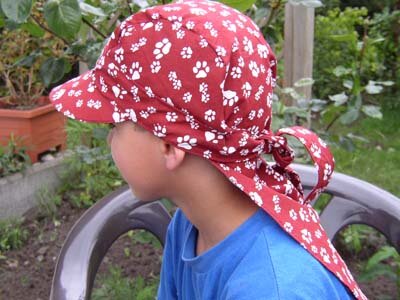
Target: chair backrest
354,202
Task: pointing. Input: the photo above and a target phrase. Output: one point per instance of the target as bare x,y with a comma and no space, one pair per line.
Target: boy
189,88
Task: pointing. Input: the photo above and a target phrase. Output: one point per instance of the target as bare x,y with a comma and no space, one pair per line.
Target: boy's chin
142,196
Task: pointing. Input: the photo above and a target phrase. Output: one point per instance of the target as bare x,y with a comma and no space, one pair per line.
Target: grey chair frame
353,202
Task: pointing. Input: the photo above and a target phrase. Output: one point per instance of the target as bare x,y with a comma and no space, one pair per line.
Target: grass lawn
377,161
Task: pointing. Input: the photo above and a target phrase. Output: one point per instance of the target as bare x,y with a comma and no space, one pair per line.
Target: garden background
355,106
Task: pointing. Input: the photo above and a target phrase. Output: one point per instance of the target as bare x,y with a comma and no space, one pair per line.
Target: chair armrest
94,233
355,201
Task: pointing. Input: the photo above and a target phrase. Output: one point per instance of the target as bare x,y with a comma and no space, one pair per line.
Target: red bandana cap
200,75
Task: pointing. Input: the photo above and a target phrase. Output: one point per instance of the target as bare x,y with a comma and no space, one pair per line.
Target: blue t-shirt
258,261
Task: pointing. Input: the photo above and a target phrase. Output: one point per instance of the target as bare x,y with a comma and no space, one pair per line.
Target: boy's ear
173,156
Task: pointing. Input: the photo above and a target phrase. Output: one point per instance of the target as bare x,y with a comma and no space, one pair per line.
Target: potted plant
25,111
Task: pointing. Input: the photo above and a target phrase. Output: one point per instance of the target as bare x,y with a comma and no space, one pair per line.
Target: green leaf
342,37
17,10
384,253
241,5
330,114
350,116
304,82
89,9
348,84
27,61
339,99
340,71
33,29
52,70
372,111
63,17
385,83
373,89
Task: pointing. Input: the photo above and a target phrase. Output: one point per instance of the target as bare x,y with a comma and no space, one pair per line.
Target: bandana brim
91,107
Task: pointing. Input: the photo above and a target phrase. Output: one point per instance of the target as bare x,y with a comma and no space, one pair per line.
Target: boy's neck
212,204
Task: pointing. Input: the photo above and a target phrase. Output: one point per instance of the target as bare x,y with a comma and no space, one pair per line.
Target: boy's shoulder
261,260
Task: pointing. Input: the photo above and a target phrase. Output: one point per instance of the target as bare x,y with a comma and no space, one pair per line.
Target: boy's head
197,76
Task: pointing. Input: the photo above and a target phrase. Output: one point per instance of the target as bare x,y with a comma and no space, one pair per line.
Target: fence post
298,46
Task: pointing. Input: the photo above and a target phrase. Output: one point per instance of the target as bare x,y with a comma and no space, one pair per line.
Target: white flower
186,52
201,69
186,142
209,115
112,70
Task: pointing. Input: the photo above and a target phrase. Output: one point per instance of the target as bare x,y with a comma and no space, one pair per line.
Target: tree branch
94,28
48,29
129,7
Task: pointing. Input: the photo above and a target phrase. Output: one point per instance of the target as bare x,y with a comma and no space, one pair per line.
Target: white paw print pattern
227,81
160,130
135,71
236,72
171,117
327,171
155,67
255,70
229,98
315,150
162,48
246,88
186,53
256,198
186,142
201,69
118,91
119,55
209,115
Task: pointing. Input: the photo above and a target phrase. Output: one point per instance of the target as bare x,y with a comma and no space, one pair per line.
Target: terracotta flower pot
40,129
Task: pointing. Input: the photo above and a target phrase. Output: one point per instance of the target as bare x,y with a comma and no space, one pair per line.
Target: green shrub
13,158
12,235
115,286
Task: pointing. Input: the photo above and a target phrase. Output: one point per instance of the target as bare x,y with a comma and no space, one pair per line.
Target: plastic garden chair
353,202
